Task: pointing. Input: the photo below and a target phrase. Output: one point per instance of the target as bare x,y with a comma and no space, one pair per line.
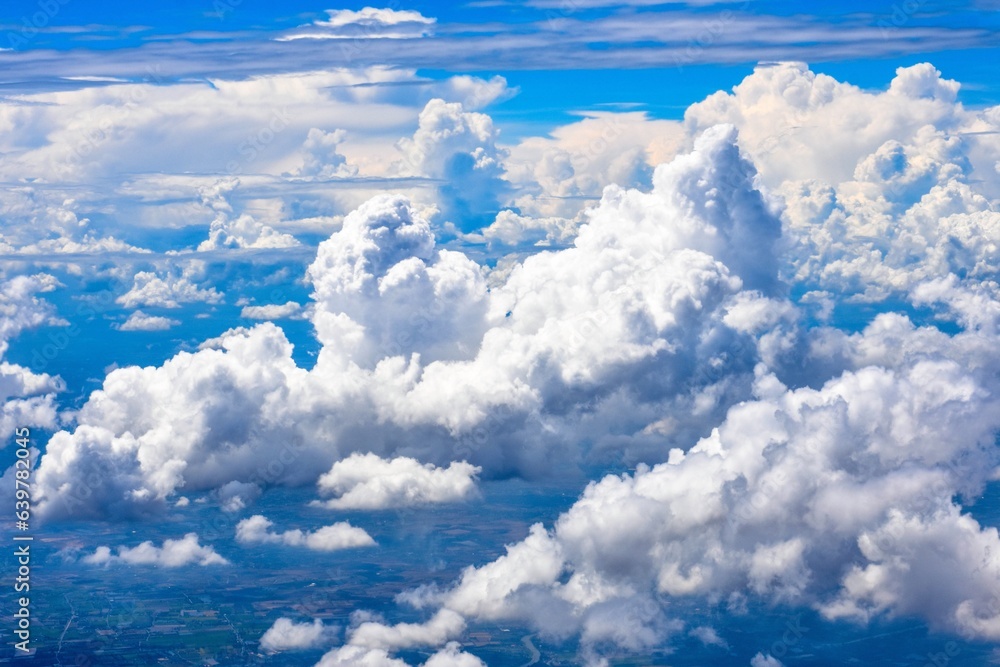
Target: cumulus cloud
169,290
321,158
373,634
513,230
460,148
642,328
287,635
882,190
243,231
342,535
27,398
173,553
841,498
559,175
370,642
366,481
140,321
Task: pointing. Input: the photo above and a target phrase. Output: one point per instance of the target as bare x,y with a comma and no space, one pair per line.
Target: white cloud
460,148
271,311
240,232
27,397
368,22
140,321
420,359
321,158
826,464
287,635
558,175
173,553
853,540
372,634
236,496
511,229
170,290
370,642
708,636
342,535
761,660
366,481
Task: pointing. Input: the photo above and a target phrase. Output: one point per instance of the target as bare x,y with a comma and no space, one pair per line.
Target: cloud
882,190
459,148
245,165
321,159
440,628
236,496
27,398
513,230
645,316
342,535
287,635
366,481
170,290
370,642
761,660
365,23
275,311
708,636
560,174
774,506
140,321
173,553
242,232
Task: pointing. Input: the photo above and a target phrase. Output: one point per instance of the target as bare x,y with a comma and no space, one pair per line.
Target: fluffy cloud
170,290
788,116
642,329
882,190
383,272
365,481
321,159
841,498
558,175
26,398
67,151
243,231
511,229
287,635
257,529
458,147
370,642
173,553
140,321
372,634
761,660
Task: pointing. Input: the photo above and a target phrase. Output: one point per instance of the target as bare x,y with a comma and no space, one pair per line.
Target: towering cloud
459,147
643,323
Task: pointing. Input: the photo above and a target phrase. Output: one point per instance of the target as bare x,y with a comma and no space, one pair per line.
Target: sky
700,297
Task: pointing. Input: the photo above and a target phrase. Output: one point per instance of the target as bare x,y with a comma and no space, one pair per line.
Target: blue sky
608,330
